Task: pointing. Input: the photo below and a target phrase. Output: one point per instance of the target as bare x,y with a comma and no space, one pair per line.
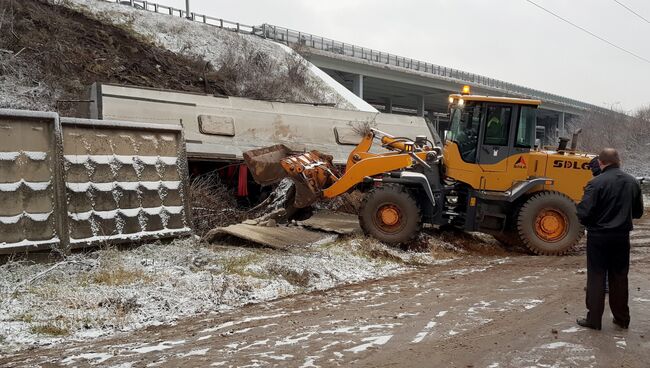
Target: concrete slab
335,222
280,237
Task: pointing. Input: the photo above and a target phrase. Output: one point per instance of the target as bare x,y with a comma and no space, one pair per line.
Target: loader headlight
461,102
451,100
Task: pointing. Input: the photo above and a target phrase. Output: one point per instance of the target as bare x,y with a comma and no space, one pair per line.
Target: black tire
391,199
552,207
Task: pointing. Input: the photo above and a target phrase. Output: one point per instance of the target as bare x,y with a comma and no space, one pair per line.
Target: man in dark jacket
610,202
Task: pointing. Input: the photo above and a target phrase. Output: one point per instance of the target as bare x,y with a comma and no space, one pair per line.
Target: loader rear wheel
547,224
390,215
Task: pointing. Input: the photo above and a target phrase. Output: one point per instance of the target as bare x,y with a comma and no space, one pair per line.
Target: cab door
494,147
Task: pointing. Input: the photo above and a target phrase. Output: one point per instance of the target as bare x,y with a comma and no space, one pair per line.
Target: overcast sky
510,40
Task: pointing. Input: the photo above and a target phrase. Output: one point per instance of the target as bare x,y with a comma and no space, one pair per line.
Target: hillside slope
49,54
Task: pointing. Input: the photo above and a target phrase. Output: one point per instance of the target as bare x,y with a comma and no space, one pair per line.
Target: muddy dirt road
517,311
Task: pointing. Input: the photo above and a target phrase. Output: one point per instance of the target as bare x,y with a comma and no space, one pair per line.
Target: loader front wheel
547,224
390,215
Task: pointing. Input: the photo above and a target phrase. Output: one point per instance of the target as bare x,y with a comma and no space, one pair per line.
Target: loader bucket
264,163
309,171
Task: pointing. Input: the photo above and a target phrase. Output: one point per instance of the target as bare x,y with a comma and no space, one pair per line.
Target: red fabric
231,171
242,185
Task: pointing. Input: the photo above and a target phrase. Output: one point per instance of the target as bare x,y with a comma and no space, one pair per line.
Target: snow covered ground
110,290
213,44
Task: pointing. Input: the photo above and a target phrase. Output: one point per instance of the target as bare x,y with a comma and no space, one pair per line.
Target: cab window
465,122
497,124
526,127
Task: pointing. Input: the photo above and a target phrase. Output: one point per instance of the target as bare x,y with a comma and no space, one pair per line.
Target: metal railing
289,37
182,13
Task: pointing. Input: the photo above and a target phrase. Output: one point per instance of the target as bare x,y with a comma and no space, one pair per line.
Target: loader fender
514,192
409,177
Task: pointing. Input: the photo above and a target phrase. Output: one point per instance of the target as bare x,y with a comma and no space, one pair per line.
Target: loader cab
486,130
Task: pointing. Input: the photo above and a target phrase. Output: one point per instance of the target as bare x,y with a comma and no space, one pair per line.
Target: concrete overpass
394,83
398,84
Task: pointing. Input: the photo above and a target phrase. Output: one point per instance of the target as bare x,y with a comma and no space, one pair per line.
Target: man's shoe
584,323
621,324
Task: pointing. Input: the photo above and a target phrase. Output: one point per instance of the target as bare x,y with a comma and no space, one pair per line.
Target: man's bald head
609,156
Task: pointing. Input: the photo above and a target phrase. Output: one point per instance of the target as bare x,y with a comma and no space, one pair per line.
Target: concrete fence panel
74,182
28,180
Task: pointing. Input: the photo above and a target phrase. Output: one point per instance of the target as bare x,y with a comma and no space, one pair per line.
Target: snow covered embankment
216,46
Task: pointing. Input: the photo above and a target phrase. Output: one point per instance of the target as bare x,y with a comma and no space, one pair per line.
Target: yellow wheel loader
489,176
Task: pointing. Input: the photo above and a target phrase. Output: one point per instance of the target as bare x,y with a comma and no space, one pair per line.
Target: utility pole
187,9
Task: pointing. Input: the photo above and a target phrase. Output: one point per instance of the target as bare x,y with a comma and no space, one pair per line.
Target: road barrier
68,183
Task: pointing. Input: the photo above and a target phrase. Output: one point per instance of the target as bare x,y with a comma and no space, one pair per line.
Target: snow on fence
73,182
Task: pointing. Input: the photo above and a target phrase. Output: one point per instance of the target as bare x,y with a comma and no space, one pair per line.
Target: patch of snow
128,212
419,337
559,344
29,243
160,347
357,102
9,156
94,358
32,155
124,185
33,185
130,236
245,320
122,159
197,352
464,271
572,329
38,217
309,362
370,342
407,314
523,279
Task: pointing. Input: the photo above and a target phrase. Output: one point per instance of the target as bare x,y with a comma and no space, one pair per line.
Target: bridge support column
560,124
388,107
357,85
420,105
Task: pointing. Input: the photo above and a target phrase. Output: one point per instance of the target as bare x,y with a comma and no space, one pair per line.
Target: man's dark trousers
608,255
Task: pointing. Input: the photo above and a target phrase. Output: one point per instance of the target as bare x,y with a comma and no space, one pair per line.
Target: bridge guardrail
289,36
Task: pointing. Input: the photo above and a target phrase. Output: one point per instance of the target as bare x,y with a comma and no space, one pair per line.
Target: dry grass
85,50
119,275
370,249
50,329
213,204
247,71
240,266
295,278
25,317
630,135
